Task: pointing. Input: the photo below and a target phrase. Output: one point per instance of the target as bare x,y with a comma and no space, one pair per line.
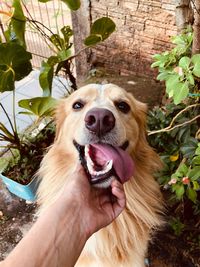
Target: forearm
62,238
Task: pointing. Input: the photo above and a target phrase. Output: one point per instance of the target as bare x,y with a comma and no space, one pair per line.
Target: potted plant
24,151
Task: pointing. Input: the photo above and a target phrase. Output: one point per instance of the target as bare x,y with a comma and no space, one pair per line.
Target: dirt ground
165,250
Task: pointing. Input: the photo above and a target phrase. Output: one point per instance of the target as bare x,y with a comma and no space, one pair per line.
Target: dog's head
103,125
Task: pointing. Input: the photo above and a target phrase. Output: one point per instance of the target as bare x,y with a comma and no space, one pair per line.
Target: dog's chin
100,176
106,183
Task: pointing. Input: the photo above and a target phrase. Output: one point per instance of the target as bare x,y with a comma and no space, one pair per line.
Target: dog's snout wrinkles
99,121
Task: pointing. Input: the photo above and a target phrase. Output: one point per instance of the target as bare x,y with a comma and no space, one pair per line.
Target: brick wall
144,27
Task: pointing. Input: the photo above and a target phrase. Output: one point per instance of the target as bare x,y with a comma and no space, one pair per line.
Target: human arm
59,235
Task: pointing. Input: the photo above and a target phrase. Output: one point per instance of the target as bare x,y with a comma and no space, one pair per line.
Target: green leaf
102,29
182,170
67,33
171,84
196,185
196,160
14,65
194,174
57,41
64,54
155,64
46,78
196,61
72,4
192,194
18,21
93,39
184,62
197,152
179,190
181,92
5,131
189,147
39,106
190,79
163,76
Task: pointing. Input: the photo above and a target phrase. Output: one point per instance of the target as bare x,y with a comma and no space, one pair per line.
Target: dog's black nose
99,121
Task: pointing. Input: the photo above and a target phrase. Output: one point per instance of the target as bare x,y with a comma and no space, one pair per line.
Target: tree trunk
196,27
184,14
81,21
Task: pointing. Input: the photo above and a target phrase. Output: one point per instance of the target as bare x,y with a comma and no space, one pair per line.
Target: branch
170,128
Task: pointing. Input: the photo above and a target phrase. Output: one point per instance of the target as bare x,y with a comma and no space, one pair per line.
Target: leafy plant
15,64
179,69
174,130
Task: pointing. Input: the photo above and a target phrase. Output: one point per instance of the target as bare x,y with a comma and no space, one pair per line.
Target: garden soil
165,250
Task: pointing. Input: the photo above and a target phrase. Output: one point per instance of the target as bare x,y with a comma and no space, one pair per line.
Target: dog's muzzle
104,162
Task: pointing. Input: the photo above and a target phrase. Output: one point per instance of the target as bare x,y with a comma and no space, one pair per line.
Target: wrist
70,210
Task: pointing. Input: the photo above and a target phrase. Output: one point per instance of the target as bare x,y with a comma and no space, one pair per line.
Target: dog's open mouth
102,162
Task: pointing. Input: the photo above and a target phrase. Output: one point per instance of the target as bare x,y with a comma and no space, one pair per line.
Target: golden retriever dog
105,119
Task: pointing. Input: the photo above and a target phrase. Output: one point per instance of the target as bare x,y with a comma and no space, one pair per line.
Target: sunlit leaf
72,4
184,62
196,61
100,30
14,65
39,106
18,22
192,194
46,78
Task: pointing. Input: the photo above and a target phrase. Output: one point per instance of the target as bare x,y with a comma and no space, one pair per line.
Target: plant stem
10,122
2,29
170,128
14,115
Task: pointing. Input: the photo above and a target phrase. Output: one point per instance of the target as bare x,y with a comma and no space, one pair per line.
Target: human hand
98,207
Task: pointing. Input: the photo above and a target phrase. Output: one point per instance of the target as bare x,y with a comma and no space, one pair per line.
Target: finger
118,192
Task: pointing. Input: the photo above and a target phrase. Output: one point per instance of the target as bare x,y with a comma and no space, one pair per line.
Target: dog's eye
123,106
78,105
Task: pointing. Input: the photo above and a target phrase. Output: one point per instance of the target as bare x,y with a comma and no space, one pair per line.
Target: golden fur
124,242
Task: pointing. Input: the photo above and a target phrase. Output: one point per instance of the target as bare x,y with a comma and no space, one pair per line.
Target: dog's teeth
91,166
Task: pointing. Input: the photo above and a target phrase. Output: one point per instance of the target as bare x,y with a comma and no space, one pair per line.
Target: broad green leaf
53,60
72,4
18,21
163,76
46,78
184,62
196,160
102,29
64,54
192,194
180,93
93,39
179,190
196,185
171,84
190,79
39,106
197,152
196,61
182,170
155,64
188,149
14,65
194,174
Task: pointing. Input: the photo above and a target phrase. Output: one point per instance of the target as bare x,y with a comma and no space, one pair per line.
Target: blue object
27,192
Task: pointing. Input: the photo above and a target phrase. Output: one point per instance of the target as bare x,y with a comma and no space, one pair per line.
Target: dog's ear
141,115
59,116
144,154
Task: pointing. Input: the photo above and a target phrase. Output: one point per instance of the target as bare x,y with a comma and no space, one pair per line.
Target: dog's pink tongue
122,162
